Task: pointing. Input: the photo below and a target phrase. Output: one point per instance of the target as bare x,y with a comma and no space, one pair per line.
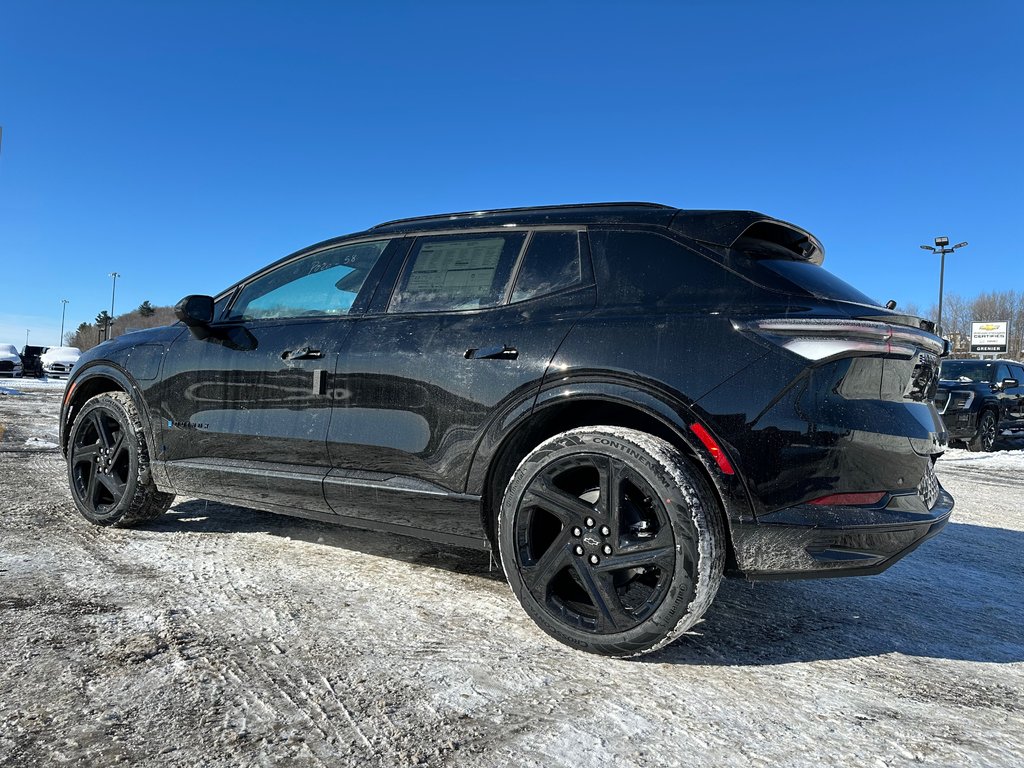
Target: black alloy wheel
100,461
985,440
108,464
610,540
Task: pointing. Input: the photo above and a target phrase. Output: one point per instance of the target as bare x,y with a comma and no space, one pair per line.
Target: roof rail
440,216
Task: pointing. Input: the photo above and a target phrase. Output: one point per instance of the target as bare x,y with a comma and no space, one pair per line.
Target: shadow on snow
959,596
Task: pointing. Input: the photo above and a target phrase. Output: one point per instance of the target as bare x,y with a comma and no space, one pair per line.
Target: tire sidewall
132,439
656,462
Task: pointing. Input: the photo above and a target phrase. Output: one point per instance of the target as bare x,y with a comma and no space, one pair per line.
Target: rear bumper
808,541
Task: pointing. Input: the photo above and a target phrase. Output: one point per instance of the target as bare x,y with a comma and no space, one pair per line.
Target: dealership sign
988,337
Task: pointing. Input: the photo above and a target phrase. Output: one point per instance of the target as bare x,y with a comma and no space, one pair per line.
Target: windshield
8,349
966,371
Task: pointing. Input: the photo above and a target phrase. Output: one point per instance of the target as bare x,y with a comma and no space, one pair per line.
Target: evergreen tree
146,309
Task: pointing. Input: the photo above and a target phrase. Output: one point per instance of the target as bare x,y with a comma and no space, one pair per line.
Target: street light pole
63,310
941,244
110,320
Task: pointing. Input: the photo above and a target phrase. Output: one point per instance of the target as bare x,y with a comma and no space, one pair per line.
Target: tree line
959,312
88,335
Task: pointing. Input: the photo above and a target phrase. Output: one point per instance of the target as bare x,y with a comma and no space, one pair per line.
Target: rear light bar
820,339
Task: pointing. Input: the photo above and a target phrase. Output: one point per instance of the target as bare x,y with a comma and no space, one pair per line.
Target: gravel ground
222,636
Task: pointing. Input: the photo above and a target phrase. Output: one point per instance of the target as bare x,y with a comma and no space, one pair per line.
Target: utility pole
113,288
63,310
940,247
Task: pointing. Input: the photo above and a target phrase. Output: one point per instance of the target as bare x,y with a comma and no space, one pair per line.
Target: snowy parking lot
222,636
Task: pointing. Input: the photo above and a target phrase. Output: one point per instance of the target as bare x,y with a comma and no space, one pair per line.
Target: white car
58,361
10,361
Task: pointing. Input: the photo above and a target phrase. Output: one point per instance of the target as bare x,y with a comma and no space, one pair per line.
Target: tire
985,440
618,581
108,464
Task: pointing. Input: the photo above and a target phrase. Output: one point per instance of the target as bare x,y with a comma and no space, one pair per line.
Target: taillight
822,339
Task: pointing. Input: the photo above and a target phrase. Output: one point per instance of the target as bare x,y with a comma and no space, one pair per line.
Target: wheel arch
615,406
96,380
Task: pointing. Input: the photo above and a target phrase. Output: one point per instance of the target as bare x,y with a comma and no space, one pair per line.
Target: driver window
324,283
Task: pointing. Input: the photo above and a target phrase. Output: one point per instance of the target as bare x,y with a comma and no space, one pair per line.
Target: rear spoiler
749,230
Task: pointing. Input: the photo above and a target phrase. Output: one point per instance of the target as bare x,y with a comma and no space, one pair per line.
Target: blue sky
184,145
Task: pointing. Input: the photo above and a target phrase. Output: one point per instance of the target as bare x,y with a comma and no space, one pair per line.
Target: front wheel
985,440
612,540
108,464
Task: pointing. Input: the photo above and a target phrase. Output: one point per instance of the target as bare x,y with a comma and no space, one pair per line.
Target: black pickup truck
30,360
981,401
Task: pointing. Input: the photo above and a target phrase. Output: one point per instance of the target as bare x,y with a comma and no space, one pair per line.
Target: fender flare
669,411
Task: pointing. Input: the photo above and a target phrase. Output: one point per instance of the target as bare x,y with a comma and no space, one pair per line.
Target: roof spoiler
734,229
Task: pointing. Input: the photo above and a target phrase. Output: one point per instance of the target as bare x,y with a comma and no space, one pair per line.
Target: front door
245,411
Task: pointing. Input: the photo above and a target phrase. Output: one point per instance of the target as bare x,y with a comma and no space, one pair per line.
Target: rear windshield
965,371
815,280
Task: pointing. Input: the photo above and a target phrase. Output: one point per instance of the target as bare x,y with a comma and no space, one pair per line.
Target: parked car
58,361
981,400
10,361
623,401
30,360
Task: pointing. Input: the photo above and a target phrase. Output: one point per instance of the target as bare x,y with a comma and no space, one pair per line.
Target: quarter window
322,283
451,272
552,262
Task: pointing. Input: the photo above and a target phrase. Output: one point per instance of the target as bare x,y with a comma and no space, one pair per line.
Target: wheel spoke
567,508
601,590
92,486
86,453
102,429
112,484
663,557
117,447
611,473
550,564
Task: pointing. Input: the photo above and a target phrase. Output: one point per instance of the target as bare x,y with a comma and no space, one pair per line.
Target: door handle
302,353
503,352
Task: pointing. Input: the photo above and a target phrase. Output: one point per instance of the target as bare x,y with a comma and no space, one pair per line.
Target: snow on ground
221,636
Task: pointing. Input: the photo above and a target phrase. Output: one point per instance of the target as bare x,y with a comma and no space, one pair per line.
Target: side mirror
197,313
1010,383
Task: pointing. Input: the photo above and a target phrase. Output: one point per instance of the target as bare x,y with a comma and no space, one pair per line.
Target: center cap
591,540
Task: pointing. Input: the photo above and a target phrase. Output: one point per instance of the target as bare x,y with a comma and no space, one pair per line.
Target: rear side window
646,268
452,272
552,262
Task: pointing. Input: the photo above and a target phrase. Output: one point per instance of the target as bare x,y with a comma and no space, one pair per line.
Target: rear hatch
814,314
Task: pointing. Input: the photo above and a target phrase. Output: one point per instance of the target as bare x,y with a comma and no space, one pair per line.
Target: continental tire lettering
629,450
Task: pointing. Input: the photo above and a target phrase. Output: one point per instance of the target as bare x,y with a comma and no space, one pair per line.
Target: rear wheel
612,541
108,464
985,440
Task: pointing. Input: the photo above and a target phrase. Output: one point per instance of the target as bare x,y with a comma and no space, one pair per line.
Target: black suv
30,360
624,401
981,400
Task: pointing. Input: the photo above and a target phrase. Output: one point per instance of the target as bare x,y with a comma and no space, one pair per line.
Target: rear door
464,339
245,412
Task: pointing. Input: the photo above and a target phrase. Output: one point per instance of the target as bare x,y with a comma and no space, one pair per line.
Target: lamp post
941,247
113,288
63,310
